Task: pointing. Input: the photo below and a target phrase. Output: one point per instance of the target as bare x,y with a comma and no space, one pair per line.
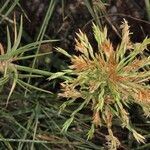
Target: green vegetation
108,81
147,4
79,100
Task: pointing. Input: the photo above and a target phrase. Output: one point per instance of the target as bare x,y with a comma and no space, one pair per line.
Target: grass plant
12,71
108,81
99,87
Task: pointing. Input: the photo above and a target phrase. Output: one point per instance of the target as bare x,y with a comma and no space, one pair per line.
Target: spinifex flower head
108,80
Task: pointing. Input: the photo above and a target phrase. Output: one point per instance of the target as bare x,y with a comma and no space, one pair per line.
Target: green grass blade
17,42
8,40
4,6
33,87
43,28
10,9
36,71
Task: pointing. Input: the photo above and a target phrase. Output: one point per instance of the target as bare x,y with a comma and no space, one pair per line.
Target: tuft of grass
11,71
108,81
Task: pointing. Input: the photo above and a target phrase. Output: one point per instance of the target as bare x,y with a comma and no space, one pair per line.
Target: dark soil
67,20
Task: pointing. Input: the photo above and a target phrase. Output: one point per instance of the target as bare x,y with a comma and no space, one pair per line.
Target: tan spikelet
96,118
